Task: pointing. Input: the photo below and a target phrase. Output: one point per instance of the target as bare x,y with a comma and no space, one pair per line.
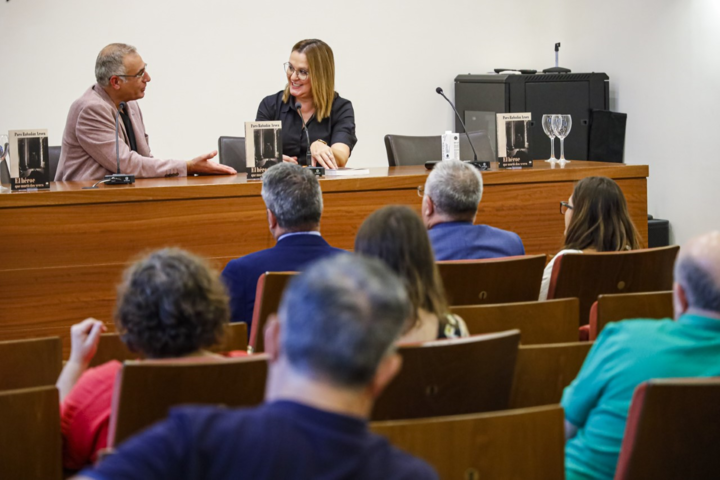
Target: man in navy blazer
449,207
294,206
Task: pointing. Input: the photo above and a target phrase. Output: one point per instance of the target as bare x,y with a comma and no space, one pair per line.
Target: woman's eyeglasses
564,207
302,74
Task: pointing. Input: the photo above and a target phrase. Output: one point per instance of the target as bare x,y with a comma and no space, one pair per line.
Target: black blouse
339,127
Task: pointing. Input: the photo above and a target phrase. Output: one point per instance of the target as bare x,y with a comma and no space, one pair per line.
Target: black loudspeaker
607,136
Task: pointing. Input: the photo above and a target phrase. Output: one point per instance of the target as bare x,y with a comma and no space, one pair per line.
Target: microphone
440,92
118,178
308,155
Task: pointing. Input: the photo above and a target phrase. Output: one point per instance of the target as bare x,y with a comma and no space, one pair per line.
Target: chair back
268,294
409,150
552,321
145,391
34,362
53,161
496,280
526,444
672,431
111,347
588,275
624,306
451,377
543,371
232,152
30,434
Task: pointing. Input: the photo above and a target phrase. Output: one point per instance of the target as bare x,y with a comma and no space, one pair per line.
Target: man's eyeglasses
302,74
564,207
140,74
421,190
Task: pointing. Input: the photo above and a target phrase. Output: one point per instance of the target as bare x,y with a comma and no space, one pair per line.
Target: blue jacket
292,253
465,241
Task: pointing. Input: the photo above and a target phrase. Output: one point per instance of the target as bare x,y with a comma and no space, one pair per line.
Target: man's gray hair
341,317
701,290
293,195
455,188
110,62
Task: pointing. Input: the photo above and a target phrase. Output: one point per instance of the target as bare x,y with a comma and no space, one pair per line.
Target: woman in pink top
170,305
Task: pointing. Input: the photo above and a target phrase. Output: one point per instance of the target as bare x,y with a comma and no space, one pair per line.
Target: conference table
64,250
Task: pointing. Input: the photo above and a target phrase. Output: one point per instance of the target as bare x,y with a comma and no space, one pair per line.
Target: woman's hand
322,155
84,337
290,159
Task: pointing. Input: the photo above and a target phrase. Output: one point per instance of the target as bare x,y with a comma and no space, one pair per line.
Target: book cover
29,159
513,140
263,146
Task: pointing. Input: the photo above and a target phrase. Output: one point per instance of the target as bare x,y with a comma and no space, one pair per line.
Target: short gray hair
110,62
293,195
701,290
455,188
341,317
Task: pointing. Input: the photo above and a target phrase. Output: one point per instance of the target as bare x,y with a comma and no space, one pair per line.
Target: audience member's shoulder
402,465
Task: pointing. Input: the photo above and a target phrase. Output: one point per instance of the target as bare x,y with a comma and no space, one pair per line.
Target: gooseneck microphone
308,155
121,108
440,92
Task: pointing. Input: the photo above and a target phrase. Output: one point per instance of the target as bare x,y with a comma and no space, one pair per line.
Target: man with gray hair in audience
630,352
331,352
89,149
294,204
450,204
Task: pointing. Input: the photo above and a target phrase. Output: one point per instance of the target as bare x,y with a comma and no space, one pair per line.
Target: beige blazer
88,145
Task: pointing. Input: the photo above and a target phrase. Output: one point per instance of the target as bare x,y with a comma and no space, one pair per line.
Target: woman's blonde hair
321,65
600,218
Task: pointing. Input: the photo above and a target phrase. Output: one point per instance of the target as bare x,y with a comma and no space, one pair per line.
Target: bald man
633,351
88,145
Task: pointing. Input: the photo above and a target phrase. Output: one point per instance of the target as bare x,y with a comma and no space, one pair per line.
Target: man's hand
202,164
290,159
84,337
322,155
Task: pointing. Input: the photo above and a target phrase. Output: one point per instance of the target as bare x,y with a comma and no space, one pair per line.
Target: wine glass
547,124
4,156
561,126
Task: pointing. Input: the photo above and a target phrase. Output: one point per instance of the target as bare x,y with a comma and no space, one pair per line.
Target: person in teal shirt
633,351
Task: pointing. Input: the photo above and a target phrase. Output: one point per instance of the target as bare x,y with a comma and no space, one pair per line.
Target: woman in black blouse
330,119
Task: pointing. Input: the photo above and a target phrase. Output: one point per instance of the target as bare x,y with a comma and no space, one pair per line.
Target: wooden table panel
63,250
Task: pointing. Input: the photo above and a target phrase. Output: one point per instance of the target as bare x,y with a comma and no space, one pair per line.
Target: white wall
212,61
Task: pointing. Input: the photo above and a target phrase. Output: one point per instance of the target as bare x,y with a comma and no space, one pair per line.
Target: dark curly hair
171,304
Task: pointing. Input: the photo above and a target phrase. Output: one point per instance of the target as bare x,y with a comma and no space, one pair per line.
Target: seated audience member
633,351
396,235
331,354
449,207
294,205
170,305
596,220
88,145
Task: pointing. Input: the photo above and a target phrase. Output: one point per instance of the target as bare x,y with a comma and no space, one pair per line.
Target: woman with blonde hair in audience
170,305
596,220
396,235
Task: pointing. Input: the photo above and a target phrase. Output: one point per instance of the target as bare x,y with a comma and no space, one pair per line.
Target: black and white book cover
263,146
513,140
29,159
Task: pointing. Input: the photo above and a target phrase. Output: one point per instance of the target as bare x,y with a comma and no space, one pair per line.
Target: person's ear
115,82
680,302
272,337
272,219
386,371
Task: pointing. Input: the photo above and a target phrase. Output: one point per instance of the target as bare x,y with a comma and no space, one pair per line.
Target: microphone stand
484,165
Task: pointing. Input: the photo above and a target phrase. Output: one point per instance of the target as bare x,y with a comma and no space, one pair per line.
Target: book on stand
29,159
513,141
263,147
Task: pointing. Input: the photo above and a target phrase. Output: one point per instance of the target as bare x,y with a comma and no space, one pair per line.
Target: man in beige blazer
88,145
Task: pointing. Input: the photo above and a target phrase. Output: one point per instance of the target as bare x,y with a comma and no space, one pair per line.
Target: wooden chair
145,391
30,434
526,444
270,288
497,280
451,377
552,321
588,275
614,308
111,347
672,431
543,371
30,363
